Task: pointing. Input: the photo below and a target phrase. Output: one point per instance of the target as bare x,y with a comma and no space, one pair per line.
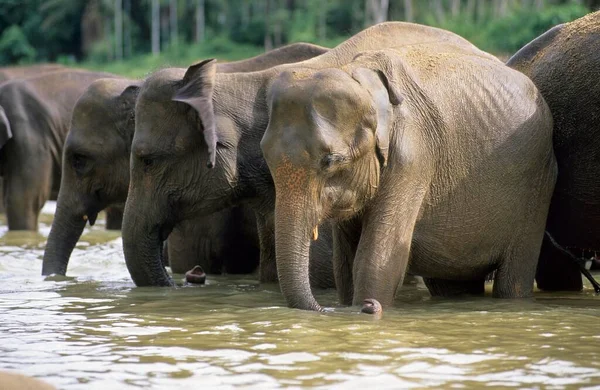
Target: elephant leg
188,248
266,238
114,218
516,273
555,271
449,288
345,241
26,190
383,250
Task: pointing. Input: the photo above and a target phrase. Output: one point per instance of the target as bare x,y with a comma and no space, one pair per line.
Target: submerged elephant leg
26,192
383,251
188,246
345,241
114,218
266,237
516,273
449,288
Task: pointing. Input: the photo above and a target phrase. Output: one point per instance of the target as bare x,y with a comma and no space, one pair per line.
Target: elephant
564,64
19,72
95,175
429,158
196,149
34,119
13,72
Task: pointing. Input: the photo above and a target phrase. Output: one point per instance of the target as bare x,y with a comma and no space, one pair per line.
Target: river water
95,330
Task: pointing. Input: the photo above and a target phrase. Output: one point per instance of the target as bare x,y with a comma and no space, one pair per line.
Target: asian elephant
564,64
428,158
190,121
95,175
17,72
34,119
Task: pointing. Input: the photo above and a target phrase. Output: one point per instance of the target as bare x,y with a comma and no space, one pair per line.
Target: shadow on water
95,330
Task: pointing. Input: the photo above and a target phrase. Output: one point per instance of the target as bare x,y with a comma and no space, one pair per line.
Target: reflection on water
94,330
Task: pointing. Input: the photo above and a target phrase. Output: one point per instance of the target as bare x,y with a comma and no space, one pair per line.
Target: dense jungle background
132,37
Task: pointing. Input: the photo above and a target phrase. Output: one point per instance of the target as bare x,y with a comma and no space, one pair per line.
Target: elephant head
173,150
327,141
95,168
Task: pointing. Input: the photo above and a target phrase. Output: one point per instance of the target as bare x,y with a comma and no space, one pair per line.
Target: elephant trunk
294,227
66,229
142,246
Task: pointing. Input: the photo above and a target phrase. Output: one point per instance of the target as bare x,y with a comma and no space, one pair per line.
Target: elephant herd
403,150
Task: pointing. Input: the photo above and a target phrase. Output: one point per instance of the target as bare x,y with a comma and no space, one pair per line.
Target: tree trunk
119,30
408,11
455,8
110,48
323,20
200,21
173,22
376,11
128,21
268,40
470,9
438,8
245,14
155,27
382,11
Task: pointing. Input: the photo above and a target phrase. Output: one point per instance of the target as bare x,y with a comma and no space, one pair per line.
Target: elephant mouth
91,217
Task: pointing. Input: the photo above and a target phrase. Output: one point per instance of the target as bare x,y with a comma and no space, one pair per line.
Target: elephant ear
126,104
5,132
197,92
386,94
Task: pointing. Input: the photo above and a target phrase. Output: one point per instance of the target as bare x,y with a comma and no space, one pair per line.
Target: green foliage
14,47
509,34
184,55
84,30
505,35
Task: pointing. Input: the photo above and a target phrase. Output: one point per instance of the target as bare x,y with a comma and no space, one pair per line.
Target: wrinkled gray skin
18,72
564,64
169,163
430,158
35,115
96,175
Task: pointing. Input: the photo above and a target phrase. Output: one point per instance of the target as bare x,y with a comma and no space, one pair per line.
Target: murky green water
96,331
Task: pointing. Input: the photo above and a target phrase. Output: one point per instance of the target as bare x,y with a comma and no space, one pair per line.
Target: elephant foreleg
383,251
25,194
345,241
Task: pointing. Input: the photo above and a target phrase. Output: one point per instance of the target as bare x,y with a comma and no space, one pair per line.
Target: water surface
95,330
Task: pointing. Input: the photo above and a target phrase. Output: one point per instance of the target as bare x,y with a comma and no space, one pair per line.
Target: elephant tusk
315,233
85,217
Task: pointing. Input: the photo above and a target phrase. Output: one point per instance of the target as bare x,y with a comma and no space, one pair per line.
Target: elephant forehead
333,101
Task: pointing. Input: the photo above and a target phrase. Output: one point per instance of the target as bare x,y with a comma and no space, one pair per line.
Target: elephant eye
332,159
78,162
148,162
